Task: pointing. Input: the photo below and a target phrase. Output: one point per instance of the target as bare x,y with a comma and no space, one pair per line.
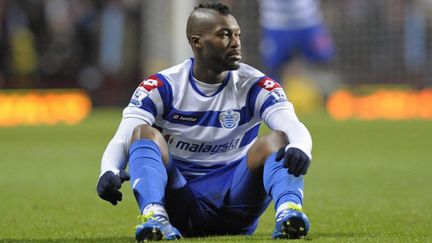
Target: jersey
206,131
291,27
289,14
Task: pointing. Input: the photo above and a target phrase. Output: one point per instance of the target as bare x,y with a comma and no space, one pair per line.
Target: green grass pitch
369,182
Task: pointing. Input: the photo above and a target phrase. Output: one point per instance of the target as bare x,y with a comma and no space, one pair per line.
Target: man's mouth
236,55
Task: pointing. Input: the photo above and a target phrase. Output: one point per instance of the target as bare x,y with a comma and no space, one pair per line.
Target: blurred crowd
63,43
383,42
100,45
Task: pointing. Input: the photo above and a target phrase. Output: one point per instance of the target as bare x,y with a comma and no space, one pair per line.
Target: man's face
221,47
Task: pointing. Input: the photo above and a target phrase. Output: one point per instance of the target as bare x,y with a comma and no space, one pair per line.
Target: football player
190,137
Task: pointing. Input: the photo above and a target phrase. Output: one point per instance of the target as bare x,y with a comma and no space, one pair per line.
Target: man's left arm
298,153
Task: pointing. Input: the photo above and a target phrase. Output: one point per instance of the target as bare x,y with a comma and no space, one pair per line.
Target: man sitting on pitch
190,135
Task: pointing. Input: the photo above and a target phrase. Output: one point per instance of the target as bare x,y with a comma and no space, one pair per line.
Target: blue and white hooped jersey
206,130
289,14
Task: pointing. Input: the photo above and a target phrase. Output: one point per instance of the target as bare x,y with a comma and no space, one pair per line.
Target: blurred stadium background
105,48
78,62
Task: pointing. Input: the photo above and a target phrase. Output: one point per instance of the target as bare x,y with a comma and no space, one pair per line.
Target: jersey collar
195,87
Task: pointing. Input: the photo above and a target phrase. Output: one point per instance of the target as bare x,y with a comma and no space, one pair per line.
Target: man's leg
266,177
286,190
280,185
248,184
248,197
148,155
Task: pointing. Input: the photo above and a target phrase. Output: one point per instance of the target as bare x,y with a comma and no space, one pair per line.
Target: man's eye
225,34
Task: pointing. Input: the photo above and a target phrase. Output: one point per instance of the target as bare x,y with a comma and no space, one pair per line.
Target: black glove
295,160
109,184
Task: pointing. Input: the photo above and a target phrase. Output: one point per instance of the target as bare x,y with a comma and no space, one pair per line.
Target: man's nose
235,42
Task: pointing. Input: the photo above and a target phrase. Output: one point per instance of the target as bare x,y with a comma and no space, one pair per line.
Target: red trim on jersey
151,82
268,84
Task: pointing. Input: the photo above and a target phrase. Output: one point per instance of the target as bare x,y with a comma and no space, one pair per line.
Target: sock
281,186
148,173
284,206
157,209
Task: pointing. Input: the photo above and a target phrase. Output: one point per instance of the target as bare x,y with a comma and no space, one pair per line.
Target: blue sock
281,186
148,173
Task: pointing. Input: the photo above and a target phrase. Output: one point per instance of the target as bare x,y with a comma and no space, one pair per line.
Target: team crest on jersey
229,118
268,84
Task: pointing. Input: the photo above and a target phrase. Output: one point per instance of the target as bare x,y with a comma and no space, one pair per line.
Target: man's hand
294,159
109,184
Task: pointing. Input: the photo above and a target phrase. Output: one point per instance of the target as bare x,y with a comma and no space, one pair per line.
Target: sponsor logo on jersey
268,84
184,118
204,147
151,83
229,118
144,88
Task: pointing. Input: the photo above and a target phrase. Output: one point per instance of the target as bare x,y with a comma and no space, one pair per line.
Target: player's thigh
246,187
180,200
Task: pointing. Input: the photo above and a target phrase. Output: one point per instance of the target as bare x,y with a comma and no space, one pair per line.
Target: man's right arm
114,161
115,156
142,110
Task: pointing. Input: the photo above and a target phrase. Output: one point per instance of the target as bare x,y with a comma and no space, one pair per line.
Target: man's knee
144,132
263,148
151,133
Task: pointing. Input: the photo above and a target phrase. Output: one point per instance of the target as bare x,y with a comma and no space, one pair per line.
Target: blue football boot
155,228
291,223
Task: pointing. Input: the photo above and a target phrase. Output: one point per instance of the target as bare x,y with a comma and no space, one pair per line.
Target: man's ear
195,41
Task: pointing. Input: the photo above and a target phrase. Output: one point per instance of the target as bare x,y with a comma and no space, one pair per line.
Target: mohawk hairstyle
219,7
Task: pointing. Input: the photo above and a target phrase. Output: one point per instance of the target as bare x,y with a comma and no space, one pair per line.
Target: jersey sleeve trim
265,93
146,95
252,96
270,101
166,95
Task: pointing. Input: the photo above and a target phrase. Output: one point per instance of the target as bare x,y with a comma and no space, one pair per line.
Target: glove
109,184
294,159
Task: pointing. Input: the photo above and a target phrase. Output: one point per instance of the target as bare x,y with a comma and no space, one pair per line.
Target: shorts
280,46
227,200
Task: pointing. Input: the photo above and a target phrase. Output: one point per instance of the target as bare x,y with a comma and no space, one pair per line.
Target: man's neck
209,76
